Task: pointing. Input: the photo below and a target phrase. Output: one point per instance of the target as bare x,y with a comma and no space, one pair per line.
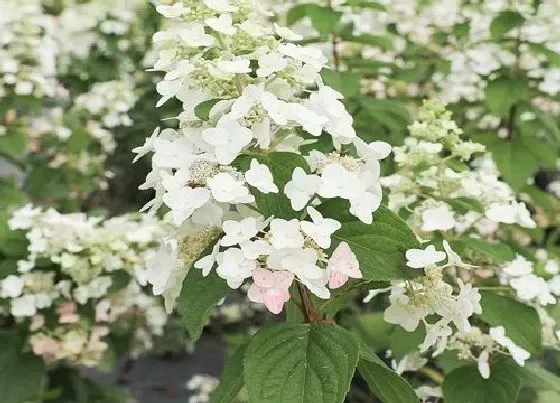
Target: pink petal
274,300
337,280
263,278
256,293
283,279
343,260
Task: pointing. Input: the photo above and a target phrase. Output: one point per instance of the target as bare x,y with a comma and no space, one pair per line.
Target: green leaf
78,141
536,377
12,144
515,162
504,92
11,195
504,22
520,321
465,385
231,381
202,110
199,296
480,251
282,165
290,362
383,382
296,13
380,246
324,19
403,342
366,4
12,243
552,57
372,329
383,42
22,376
348,84
465,204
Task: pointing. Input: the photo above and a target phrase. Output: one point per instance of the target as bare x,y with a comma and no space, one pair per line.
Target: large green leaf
199,296
347,83
480,251
515,161
383,382
22,376
291,362
282,165
231,380
504,22
503,92
12,144
380,246
521,322
465,385
324,19
534,376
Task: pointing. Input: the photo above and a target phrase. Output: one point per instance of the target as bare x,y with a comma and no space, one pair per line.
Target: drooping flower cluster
82,276
433,182
474,345
428,294
247,91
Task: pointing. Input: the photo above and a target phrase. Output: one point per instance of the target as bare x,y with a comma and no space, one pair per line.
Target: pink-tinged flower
44,346
102,311
67,312
270,288
342,265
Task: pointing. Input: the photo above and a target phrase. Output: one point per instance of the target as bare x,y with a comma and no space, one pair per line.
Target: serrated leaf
520,321
232,378
380,246
476,249
202,110
383,382
291,362
502,93
504,22
22,376
199,296
465,385
281,165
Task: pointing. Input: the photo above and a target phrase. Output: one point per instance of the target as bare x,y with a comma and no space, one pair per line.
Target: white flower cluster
105,26
109,101
412,301
262,94
27,50
475,345
73,262
529,286
427,184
